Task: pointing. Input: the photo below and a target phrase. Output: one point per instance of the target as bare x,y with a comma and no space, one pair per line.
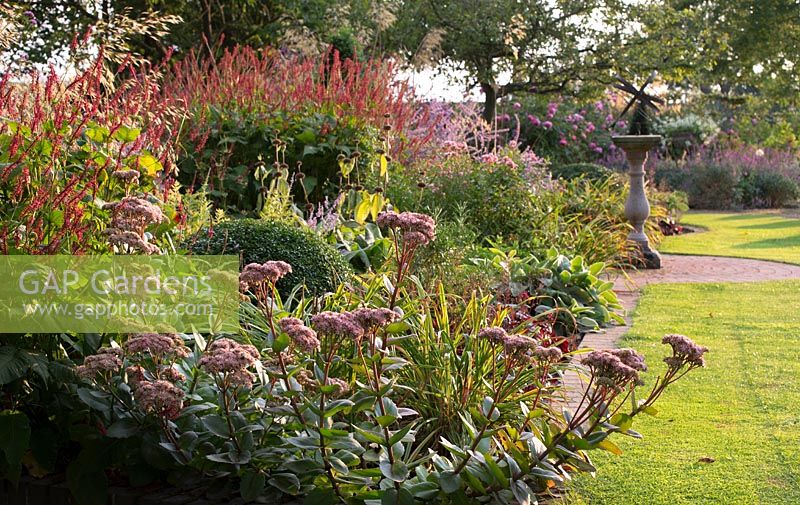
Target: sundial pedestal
637,208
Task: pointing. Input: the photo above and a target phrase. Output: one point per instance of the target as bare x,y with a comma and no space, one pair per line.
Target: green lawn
743,410
759,235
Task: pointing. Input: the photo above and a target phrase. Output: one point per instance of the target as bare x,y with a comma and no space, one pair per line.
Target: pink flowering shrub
377,392
67,146
564,132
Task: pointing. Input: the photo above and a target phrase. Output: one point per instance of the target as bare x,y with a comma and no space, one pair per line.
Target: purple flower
547,125
159,397
304,337
563,141
335,323
534,120
517,106
31,18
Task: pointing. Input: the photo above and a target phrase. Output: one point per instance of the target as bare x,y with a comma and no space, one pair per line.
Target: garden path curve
675,269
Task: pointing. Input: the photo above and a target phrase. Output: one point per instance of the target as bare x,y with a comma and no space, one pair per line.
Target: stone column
637,208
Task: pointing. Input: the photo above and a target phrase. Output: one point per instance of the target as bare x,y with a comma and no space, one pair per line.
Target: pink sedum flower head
107,360
255,274
303,337
548,354
422,226
156,344
228,356
370,319
609,370
159,397
494,334
341,324
684,351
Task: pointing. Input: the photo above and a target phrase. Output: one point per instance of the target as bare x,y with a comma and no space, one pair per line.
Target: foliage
475,190
327,409
768,190
580,217
567,131
711,187
544,50
727,176
589,171
683,134
574,291
66,149
336,122
316,265
152,28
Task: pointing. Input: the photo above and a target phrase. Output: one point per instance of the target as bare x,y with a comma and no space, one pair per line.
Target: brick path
676,268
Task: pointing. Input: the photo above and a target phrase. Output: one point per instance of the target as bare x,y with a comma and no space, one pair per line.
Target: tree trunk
490,101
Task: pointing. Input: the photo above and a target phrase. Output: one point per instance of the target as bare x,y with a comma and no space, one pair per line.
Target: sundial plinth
637,208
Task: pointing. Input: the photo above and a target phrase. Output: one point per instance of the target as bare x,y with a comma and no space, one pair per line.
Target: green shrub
590,171
581,217
711,187
670,177
315,264
766,190
478,192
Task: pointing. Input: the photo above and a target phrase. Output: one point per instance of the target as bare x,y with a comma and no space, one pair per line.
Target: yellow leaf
362,211
608,445
384,166
377,205
149,164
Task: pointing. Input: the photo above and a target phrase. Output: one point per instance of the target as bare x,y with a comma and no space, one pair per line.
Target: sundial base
648,258
637,208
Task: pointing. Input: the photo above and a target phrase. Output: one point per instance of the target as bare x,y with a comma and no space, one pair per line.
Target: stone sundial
636,145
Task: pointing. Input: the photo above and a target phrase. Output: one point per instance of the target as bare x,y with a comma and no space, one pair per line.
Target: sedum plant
331,400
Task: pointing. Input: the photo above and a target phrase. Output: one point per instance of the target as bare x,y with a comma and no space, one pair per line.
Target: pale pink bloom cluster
614,369
512,343
159,397
495,159
684,351
131,216
107,359
493,334
135,374
454,148
418,229
341,324
547,354
255,274
631,358
370,319
128,176
156,344
303,337
226,356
